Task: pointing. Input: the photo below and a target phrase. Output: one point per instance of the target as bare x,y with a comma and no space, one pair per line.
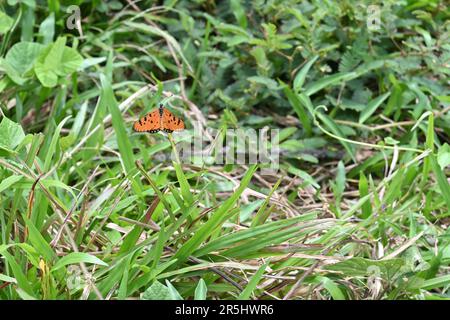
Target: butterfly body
160,119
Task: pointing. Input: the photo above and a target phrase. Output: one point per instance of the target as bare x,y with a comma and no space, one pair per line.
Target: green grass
359,208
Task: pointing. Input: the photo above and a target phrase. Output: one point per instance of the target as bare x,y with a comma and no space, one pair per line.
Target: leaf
11,134
332,288
441,180
268,82
372,107
301,75
395,100
75,258
443,156
6,22
20,60
220,215
239,13
336,130
52,147
71,60
39,242
304,175
328,82
52,60
7,279
56,60
299,107
366,208
357,266
251,286
174,294
8,182
438,282
200,290
156,291
156,31
339,185
47,29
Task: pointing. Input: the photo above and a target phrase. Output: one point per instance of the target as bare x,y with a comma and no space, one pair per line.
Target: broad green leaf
6,22
11,134
156,291
443,156
20,59
71,60
47,29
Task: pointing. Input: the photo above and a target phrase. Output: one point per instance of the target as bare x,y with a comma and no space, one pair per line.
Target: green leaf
7,279
328,82
357,267
71,60
443,156
38,241
6,22
20,59
47,29
11,134
372,107
339,185
56,60
364,191
299,107
251,286
332,288
438,282
156,291
8,182
220,215
441,180
239,13
200,290
174,294
77,257
52,147
395,100
301,75
336,130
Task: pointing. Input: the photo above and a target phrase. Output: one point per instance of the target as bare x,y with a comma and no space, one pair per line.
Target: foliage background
358,210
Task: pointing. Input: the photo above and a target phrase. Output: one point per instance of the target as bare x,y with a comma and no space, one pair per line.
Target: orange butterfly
159,119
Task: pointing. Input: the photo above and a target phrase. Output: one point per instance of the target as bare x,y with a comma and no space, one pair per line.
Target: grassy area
359,94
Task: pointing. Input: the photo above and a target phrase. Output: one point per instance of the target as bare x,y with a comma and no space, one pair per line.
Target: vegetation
359,208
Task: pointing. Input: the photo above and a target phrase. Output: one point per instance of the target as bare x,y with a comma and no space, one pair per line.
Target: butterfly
159,119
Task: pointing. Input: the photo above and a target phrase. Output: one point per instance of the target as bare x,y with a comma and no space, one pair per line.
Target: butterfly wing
170,123
151,122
